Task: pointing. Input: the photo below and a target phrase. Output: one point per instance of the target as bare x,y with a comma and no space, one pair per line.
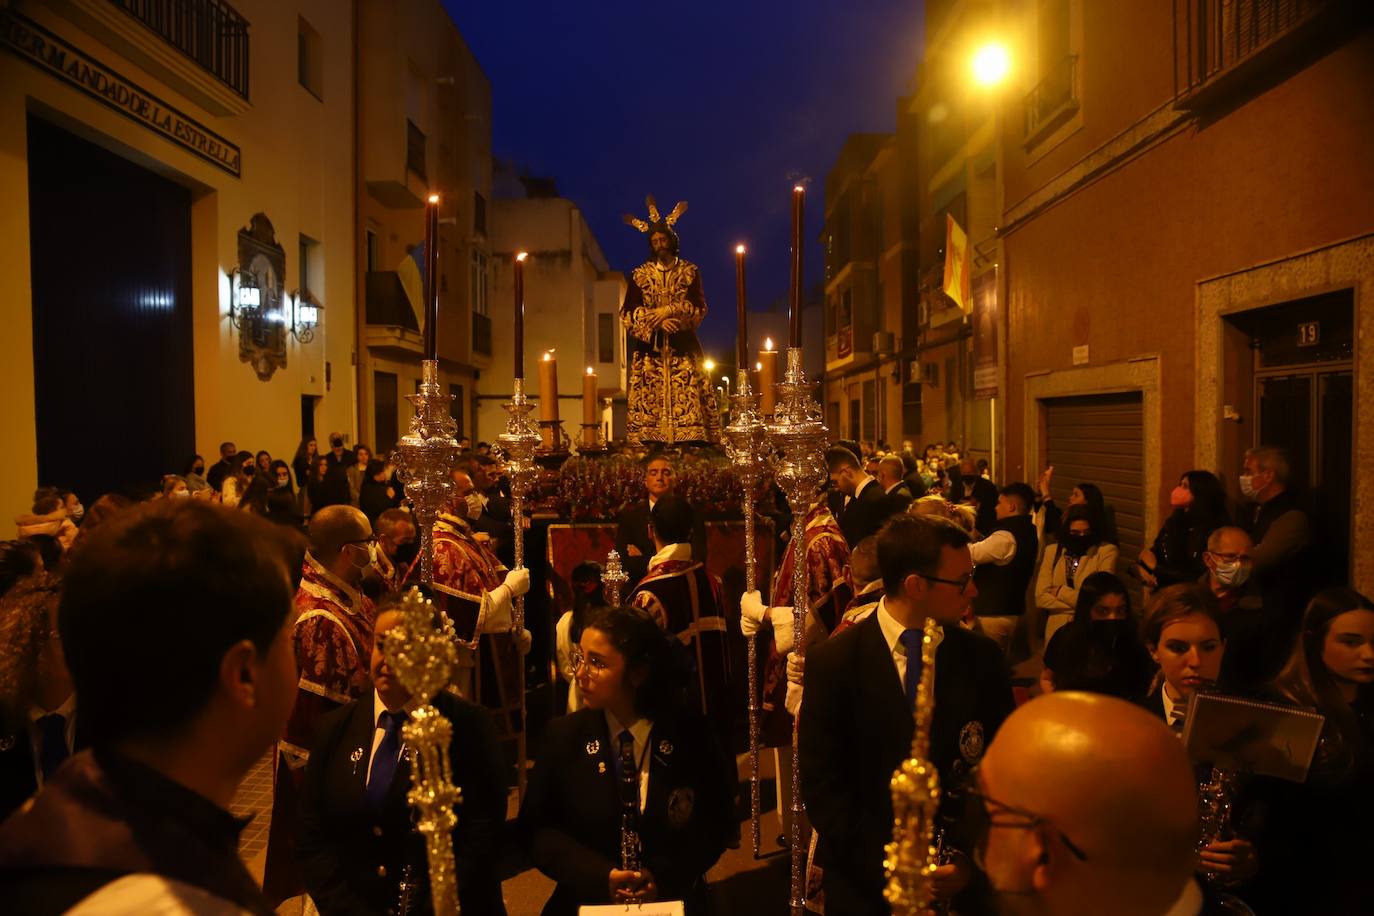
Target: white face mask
474,502
79,511
180,494
1233,574
1247,486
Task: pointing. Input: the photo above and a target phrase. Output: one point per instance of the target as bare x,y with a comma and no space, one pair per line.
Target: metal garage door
1099,439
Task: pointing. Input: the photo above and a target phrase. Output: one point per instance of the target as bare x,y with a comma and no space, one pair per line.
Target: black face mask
198,469
406,554
1076,545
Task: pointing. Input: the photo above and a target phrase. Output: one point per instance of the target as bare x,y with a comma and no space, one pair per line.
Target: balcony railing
1216,39
1053,99
210,32
481,334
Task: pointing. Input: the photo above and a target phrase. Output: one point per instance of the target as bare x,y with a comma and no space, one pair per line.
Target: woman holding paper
630,799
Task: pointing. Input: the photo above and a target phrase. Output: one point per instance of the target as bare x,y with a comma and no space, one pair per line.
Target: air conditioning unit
883,343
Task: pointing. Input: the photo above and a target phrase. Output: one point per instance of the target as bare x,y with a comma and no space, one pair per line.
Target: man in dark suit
632,540
222,468
856,719
866,506
966,486
358,841
891,477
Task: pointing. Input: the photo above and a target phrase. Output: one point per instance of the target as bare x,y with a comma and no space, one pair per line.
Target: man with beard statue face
671,401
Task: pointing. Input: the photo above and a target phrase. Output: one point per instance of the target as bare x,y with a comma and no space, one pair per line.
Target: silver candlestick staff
798,437
425,458
747,445
613,579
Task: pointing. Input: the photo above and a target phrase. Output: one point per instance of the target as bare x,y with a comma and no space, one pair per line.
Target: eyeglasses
594,665
988,813
961,583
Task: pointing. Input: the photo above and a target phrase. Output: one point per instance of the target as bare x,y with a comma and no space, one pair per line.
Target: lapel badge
356,757
971,741
6,743
593,747
665,747
601,766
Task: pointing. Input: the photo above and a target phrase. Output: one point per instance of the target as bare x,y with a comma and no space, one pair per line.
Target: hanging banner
985,321
956,280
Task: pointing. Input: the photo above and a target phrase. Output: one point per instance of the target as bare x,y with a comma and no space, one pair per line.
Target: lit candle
590,420
768,375
520,314
548,387
741,332
432,277
798,205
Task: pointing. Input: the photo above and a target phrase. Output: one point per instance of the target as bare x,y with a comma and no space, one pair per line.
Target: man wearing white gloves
476,592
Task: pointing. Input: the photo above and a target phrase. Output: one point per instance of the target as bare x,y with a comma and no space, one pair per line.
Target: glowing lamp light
991,64
709,366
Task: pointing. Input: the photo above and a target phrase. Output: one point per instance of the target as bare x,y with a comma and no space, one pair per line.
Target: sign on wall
54,56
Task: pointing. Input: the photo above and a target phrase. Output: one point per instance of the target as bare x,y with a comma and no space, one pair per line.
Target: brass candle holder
423,656
798,438
613,578
746,444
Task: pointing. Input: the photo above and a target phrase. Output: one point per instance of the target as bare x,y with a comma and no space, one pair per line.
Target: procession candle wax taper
520,314
589,408
742,332
795,302
432,277
548,387
768,377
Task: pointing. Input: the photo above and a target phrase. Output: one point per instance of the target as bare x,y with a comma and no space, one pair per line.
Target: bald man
333,642
1092,808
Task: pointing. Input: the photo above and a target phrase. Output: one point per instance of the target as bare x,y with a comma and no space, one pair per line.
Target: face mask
1247,486
368,557
1180,497
283,482
198,469
1233,574
79,511
1076,544
474,505
180,494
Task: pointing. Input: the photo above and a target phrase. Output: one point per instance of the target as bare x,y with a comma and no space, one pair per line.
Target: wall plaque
51,54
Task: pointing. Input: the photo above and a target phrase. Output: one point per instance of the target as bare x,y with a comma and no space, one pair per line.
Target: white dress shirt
68,712
892,632
1173,710
640,732
998,548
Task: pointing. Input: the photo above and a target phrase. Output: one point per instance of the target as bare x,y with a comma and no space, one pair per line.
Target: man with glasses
856,714
333,643
1253,651
1085,805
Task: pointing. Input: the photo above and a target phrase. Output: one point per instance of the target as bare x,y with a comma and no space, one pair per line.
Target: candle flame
758,367
768,344
798,189
434,198
591,371
548,356
739,249
522,256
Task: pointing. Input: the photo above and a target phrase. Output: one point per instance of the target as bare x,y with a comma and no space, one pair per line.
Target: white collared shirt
671,552
378,733
640,732
892,632
998,548
68,712
1172,710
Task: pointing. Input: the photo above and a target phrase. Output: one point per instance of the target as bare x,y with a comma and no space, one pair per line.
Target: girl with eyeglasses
631,776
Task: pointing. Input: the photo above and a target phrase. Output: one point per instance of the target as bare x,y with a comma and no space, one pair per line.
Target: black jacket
633,528
570,820
865,513
1002,589
18,777
352,858
855,729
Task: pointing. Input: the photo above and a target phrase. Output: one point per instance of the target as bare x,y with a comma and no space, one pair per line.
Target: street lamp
709,365
991,64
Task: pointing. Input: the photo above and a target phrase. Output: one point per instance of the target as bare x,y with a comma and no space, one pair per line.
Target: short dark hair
837,458
1174,603
1022,493
46,505
912,544
375,466
154,600
672,519
1096,587
225,446
394,516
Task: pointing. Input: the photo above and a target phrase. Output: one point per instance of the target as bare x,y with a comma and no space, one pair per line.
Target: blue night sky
724,105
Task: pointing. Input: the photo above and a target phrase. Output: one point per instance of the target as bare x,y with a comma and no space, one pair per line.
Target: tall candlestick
432,277
742,332
548,387
768,377
590,412
798,205
520,314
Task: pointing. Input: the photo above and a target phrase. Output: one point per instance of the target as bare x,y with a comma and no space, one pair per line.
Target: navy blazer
570,820
352,858
855,730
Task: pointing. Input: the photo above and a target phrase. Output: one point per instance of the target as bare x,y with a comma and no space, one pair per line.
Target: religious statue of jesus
671,401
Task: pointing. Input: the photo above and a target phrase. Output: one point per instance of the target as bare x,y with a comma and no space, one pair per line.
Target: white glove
795,668
518,581
782,628
474,505
496,605
751,613
523,641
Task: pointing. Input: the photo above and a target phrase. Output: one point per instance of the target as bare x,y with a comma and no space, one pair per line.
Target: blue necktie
911,639
52,732
385,760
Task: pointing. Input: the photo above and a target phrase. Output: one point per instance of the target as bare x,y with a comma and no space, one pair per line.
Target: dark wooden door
114,386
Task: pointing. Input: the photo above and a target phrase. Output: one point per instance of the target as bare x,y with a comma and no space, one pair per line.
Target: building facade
1187,252
572,311
423,126
178,258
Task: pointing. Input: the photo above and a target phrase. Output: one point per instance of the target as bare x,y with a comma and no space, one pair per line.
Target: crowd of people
1064,672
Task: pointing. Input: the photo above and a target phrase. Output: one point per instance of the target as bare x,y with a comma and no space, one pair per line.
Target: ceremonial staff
613,578
746,444
797,437
518,443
